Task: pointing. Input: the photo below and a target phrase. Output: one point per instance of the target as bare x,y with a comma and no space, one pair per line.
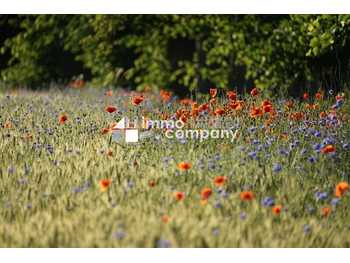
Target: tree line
279,53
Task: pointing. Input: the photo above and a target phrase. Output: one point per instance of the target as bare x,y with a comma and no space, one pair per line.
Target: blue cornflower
322,122
328,140
283,151
86,185
241,148
217,204
216,231
307,229
311,131
335,201
49,131
11,169
317,147
268,202
217,157
256,141
120,234
166,161
252,155
130,184
277,167
312,159
211,165
252,129
317,134
22,181
266,146
242,215
292,146
320,196
49,148
77,190
223,194
338,104
259,148
163,243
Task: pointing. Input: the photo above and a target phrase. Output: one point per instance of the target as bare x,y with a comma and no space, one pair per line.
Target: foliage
277,52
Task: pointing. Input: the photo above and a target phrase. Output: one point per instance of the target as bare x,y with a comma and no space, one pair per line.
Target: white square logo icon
131,135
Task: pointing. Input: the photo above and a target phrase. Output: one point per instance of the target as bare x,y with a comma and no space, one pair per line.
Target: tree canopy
281,53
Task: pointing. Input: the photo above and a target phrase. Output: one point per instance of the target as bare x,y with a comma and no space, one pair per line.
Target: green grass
56,201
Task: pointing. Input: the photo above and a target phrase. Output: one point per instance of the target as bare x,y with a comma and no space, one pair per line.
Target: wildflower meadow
282,180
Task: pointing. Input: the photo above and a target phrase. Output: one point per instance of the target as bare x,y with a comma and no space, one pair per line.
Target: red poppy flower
203,107
183,118
255,112
165,219
246,196
213,92
236,105
194,113
179,196
267,108
326,211
254,92
62,118
318,95
265,103
219,112
104,184
323,114
184,166
166,95
277,209
152,183
110,109
341,189
339,97
206,193
328,149
305,96
220,181
7,125
296,116
231,95
137,100
105,130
